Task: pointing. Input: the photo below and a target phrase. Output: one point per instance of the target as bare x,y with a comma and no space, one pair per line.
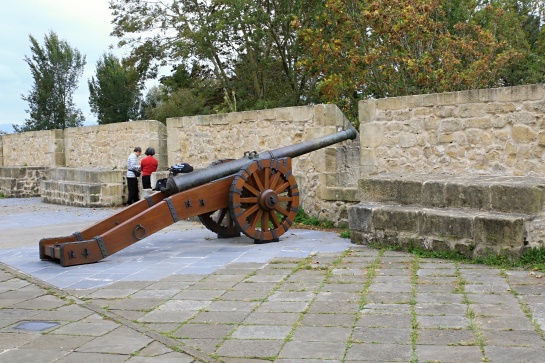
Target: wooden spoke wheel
220,221
264,199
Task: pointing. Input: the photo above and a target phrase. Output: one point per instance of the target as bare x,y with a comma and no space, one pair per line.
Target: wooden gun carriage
256,195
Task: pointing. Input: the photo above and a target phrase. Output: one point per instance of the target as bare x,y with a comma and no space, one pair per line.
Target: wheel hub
268,199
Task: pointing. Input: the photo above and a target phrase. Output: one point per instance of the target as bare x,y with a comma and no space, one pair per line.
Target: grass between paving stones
525,309
470,313
533,259
414,319
370,276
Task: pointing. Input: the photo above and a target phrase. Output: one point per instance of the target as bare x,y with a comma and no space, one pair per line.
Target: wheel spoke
282,187
248,200
281,210
265,221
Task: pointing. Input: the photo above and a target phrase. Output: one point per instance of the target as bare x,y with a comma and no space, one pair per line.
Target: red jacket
148,165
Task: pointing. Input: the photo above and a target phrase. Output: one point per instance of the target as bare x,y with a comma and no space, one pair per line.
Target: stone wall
327,178
490,131
22,182
108,146
35,148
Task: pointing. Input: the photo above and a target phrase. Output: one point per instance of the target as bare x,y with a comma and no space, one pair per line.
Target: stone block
394,218
390,190
433,193
340,194
447,224
499,230
516,198
360,218
371,134
464,195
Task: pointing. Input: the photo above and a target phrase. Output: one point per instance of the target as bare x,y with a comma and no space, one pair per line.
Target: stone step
471,232
81,194
508,194
90,175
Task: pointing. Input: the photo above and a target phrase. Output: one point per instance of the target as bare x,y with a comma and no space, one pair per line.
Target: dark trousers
146,181
132,185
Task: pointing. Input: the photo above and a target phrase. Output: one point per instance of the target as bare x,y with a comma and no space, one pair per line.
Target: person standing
148,165
133,172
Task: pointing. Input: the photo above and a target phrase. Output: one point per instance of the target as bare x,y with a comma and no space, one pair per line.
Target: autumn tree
56,68
386,48
114,95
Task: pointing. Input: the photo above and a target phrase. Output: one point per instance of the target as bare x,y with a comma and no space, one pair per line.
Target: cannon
256,195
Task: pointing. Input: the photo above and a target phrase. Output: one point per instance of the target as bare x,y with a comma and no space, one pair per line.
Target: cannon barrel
180,183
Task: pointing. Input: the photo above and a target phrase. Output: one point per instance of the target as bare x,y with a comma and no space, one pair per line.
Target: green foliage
533,259
250,49
2,195
303,218
386,48
56,68
114,95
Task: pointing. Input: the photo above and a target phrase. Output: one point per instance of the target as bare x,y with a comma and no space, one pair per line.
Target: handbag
136,173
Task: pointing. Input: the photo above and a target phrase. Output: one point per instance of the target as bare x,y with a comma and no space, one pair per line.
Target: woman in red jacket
148,165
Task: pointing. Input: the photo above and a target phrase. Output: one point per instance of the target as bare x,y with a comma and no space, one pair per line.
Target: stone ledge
509,194
475,233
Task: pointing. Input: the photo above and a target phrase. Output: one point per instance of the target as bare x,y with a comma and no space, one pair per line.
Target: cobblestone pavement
344,304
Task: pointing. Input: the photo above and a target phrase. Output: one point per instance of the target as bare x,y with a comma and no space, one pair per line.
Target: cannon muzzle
178,184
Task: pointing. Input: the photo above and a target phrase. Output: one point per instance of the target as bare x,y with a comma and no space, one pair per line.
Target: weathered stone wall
22,182
490,131
327,178
35,148
108,146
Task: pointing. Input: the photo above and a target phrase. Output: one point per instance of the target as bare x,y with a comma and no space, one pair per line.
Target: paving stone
342,287
136,304
119,341
167,316
487,289
388,297
446,322
385,321
440,309
313,350
244,295
165,358
436,288
206,331
282,307
390,287
504,323
219,317
322,334
492,299
34,356
521,338
462,337
42,303
12,341
364,352
155,294
439,298
320,307
291,296
332,320
264,318
198,294
261,332
338,296
498,310
300,286
514,354
184,305
232,306
112,293
382,335
57,342
250,348
448,354
77,357
86,328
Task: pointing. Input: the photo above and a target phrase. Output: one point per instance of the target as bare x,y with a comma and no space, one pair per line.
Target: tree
250,47
114,95
386,48
56,69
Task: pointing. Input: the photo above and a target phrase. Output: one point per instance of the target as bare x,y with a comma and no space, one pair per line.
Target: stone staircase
84,187
475,215
21,181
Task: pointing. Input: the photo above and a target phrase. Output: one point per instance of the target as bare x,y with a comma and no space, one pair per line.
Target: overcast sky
84,24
